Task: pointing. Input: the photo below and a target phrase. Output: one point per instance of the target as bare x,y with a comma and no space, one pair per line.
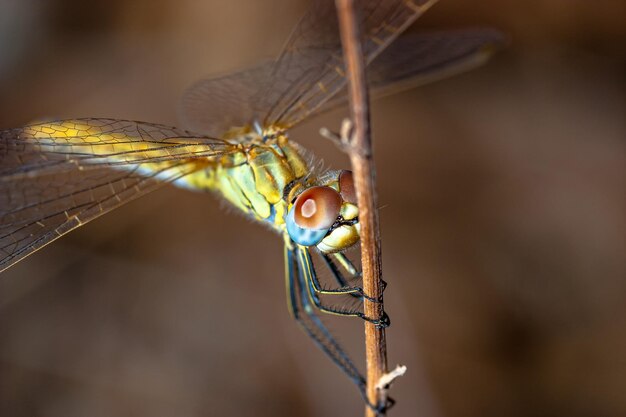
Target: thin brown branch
360,152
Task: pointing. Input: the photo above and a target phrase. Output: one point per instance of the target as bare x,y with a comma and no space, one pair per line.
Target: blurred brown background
503,223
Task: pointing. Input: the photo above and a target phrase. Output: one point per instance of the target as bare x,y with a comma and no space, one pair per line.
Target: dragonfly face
325,215
57,176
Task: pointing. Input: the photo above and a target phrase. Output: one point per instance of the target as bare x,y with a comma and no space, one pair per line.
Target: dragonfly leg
313,286
302,310
299,302
346,264
345,288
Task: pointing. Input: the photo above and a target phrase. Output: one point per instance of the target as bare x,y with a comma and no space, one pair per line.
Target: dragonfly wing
56,176
310,71
214,106
306,74
417,59
93,143
410,61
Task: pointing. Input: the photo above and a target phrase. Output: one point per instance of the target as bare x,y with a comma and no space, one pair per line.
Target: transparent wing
421,58
309,71
56,176
216,105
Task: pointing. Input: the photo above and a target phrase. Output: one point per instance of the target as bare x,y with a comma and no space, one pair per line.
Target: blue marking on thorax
272,215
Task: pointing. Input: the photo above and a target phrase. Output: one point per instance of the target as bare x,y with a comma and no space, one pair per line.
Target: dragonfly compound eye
313,214
317,208
346,187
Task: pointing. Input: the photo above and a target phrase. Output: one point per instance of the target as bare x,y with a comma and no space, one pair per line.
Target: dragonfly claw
382,323
381,408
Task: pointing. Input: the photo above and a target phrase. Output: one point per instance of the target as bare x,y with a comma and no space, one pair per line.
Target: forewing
56,176
421,58
306,75
410,61
216,105
311,70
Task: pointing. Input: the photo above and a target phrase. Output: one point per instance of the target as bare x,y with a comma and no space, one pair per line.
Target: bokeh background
502,210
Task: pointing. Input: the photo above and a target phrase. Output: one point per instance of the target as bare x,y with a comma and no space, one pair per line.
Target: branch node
387,379
345,139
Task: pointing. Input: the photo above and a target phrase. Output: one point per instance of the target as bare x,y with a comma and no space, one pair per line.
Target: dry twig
359,149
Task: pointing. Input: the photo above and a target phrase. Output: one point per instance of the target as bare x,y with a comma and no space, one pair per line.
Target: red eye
317,208
346,187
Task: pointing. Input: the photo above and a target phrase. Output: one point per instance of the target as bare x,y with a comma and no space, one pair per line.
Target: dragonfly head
325,215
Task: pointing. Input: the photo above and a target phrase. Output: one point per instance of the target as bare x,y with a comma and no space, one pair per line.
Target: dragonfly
56,176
